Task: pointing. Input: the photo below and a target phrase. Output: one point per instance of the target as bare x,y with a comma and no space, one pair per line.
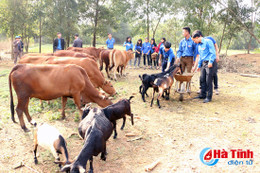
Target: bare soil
176,133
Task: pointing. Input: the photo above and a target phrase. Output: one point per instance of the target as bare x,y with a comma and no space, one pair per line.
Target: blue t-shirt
187,47
59,44
168,56
110,43
208,37
206,51
128,46
146,48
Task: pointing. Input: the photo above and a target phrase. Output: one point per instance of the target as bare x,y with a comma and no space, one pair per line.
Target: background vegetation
234,23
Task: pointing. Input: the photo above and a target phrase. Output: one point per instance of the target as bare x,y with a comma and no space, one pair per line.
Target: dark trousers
215,76
206,77
148,59
137,58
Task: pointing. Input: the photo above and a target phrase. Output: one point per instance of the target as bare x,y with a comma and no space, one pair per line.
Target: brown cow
36,54
47,82
120,59
88,50
105,57
70,53
89,65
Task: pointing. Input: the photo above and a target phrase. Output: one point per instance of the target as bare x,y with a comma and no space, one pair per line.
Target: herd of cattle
75,73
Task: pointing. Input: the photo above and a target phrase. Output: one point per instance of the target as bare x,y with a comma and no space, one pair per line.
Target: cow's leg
107,70
115,69
76,98
35,141
19,110
64,101
26,111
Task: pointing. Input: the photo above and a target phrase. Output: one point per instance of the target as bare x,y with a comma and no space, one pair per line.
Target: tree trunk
154,31
147,19
222,37
249,45
40,35
12,39
95,25
228,44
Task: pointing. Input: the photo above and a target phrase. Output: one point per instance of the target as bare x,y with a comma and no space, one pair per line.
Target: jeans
206,77
148,59
137,58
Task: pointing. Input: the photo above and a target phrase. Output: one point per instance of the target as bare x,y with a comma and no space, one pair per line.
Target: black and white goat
50,138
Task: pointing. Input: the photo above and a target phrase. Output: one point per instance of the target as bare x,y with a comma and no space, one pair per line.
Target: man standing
58,43
168,57
146,48
186,51
110,42
215,76
77,42
206,64
18,48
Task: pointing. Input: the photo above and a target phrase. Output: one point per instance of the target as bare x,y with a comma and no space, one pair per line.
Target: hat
167,45
17,36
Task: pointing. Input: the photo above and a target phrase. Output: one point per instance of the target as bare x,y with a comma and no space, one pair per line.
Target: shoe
199,91
207,100
216,91
199,97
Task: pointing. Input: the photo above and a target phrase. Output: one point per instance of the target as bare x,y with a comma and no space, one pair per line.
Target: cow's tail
11,97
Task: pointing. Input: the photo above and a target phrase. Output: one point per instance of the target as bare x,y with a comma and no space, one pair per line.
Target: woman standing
128,46
138,54
154,53
146,48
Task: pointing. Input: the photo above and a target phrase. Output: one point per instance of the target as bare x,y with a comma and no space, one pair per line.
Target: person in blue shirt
215,76
110,42
206,63
153,53
128,46
138,52
146,48
186,51
168,57
59,43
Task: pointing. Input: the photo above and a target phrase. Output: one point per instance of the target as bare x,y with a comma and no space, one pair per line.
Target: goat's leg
91,165
64,101
115,133
159,96
140,89
123,125
104,153
144,92
35,141
152,97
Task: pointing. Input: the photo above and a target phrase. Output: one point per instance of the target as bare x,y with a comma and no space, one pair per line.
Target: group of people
195,52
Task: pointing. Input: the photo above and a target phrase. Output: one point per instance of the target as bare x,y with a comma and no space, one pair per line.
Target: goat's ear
66,168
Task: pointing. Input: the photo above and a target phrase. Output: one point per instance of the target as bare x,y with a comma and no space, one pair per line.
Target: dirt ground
176,133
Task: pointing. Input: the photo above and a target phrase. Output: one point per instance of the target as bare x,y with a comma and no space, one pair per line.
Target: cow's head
130,54
108,88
